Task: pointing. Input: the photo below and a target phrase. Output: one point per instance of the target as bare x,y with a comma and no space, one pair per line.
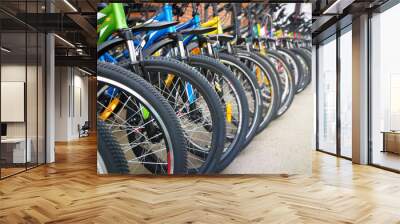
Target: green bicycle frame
111,19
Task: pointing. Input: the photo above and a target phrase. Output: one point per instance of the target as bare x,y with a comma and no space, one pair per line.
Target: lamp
5,50
70,5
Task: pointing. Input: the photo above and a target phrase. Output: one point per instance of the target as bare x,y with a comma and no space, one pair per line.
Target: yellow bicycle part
260,46
157,53
214,22
263,49
261,78
229,112
169,79
279,34
266,81
218,87
196,51
109,109
259,29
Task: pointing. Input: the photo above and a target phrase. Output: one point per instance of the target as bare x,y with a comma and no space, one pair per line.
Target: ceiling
72,20
328,13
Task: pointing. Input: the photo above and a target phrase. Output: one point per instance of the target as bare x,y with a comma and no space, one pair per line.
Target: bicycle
195,102
237,126
134,117
261,68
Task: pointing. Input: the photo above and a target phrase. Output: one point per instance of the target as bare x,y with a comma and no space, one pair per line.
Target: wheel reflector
229,112
110,108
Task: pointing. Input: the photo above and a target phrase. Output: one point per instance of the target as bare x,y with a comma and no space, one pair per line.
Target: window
346,93
22,77
385,89
327,96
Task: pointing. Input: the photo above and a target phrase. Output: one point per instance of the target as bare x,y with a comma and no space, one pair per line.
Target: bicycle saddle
153,26
197,31
221,37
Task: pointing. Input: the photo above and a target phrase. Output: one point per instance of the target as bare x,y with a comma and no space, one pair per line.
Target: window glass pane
385,84
346,94
327,97
31,97
14,153
41,97
22,86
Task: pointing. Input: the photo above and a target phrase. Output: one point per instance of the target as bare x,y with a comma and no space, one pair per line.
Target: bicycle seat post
229,47
209,48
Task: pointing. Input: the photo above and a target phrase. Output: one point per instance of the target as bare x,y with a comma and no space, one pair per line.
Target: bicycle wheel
252,91
268,82
305,59
110,156
197,106
286,79
234,103
295,66
141,121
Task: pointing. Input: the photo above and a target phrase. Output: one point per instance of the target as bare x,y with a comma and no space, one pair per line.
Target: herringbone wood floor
70,191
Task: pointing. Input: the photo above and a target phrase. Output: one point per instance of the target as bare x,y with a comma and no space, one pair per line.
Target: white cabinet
19,155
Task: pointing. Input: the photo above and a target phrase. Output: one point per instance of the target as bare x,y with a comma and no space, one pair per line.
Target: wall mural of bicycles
183,88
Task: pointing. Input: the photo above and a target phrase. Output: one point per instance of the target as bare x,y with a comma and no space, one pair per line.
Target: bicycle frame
258,34
192,23
216,23
112,18
109,20
165,15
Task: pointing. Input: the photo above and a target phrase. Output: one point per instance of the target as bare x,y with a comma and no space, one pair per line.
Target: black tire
269,113
232,148
304,54
285,105
295,66
254,90
199,82
156,104
110,152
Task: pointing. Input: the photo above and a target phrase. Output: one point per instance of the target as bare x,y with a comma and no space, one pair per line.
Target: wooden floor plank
70,191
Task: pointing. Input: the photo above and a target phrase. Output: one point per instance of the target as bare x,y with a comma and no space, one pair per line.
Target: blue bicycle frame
166,14
192,23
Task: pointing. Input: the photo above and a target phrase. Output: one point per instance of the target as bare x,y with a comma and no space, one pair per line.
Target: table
15,148
391,141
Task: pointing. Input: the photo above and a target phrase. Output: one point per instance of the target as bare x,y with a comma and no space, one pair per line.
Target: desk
15,148
391,141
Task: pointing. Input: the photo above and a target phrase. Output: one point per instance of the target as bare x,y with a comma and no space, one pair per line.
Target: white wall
71,102
61,103
16,73
80,110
